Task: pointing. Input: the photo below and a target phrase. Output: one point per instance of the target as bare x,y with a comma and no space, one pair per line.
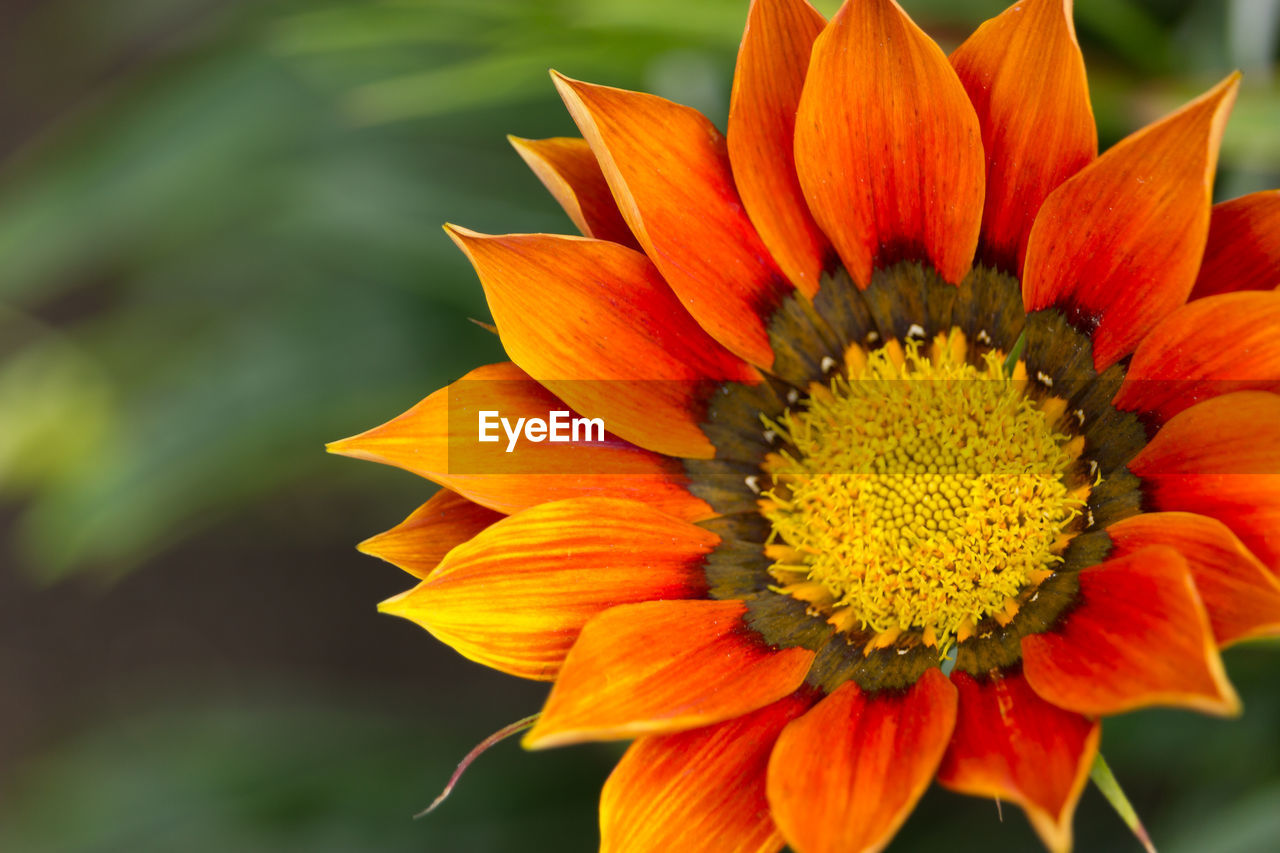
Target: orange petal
1243,252
570,309
700,791
1204,349
771,69
661,667
888,148
439,439
1241,596
1139,636
844,777
669,171
1118,245
1012,745
419,543
1221,458
1025,76
516,596
569,170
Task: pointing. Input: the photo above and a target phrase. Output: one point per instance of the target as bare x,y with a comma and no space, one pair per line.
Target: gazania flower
933,436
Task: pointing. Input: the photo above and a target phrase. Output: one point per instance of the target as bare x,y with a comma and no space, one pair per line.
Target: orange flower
899,378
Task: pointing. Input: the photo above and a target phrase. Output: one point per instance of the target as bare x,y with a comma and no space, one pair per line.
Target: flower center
918,492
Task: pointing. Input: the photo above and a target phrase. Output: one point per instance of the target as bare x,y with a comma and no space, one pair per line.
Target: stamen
923,494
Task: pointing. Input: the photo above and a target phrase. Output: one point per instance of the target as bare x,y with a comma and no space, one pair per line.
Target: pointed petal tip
363,446
564,84
1223,97
1227,704
371,546
469,241
526,147
560,77
534,740
577,97
349,446
539,738
569,170
392,606
1232,705
461,235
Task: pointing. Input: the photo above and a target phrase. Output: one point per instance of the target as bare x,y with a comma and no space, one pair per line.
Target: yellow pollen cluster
923,494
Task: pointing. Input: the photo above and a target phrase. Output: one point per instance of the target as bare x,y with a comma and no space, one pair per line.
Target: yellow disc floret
922,493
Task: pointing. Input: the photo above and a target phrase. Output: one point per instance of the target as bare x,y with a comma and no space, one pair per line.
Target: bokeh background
220,247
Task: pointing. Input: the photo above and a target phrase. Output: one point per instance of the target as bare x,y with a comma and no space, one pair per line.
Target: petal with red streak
662,667
1204,349
888,147
1024,73
845,776
595,323
669,171
439,439
700,791
1137,637
569,171
772,64
1012,745
1221,458
1240,595
516,596
1117,246
419,543
1243,251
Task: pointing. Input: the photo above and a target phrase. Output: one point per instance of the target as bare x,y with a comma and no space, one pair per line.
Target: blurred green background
220,248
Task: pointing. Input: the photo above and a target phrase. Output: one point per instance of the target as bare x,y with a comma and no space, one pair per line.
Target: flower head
899,378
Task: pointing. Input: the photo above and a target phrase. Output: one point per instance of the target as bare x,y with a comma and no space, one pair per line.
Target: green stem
1015,354
1106,781
479,749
